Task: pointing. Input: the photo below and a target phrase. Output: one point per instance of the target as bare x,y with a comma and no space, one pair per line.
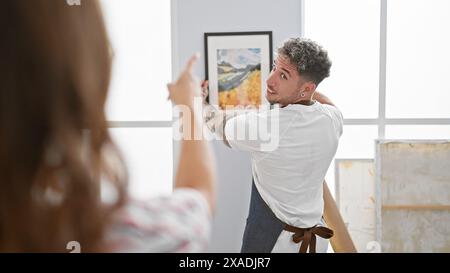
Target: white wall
191,19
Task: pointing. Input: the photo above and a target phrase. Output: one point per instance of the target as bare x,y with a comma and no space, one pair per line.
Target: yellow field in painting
248,93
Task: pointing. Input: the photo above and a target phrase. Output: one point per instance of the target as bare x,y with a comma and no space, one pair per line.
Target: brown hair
55,72
309,57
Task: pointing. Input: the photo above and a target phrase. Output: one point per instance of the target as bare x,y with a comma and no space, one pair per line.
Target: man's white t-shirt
289,176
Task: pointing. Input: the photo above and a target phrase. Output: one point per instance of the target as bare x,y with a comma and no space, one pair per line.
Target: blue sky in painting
239,57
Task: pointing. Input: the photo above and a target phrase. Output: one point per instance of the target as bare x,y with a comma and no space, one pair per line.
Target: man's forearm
215,121
322,99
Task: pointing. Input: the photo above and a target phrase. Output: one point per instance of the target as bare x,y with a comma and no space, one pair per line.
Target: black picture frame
245,46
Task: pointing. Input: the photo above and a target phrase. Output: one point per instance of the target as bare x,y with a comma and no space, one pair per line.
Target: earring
302,95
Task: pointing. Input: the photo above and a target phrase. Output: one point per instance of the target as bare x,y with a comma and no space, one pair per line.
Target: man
287,202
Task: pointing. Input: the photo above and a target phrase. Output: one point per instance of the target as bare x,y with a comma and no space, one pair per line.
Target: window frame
381,121
157,124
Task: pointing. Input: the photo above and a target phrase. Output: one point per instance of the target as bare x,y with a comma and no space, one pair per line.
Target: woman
55,147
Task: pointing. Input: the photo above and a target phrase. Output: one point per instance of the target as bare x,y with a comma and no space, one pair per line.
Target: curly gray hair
309,57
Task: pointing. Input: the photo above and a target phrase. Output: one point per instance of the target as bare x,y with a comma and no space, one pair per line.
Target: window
349,30
418,56
418,131
390,69
148,156
138,111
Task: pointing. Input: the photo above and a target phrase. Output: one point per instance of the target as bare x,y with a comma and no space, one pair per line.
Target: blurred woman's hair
55,148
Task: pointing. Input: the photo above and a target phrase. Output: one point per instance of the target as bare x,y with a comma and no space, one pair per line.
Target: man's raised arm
322,99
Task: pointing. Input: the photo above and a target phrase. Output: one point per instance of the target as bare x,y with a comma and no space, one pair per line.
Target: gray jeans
262,228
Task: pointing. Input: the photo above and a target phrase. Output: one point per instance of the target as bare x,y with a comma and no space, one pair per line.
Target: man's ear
311,86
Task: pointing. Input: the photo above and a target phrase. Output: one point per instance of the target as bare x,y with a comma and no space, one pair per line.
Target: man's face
283,83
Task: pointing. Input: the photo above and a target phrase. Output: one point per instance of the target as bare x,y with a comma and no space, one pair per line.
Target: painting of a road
239,77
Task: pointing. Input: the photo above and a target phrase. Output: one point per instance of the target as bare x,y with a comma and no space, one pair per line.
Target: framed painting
237,66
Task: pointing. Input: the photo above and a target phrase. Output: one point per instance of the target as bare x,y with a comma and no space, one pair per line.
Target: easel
341,241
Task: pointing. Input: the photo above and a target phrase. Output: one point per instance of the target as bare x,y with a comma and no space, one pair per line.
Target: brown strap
307,236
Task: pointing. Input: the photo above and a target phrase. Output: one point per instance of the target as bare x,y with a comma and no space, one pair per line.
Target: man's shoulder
330,109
